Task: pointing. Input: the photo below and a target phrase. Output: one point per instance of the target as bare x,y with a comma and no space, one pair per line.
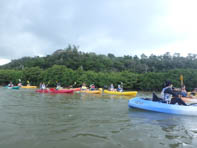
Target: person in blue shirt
183,91
120,89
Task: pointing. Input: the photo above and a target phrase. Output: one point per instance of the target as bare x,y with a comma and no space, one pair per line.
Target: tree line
69,66
149,81
74,59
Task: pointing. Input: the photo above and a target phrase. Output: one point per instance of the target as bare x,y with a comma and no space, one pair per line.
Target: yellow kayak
91,91
192,94
28,86
126,93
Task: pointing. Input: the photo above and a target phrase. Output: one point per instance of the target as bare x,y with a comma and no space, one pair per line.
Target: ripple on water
29,119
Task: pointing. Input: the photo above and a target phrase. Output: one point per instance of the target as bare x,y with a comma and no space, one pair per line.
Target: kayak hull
127,93
61,91
14,87
29,87
189,100
149,105
91,91
75,89
52,90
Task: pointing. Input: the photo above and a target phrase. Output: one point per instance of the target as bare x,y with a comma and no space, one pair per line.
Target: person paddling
111,87
183,91
92,87
84,87
43,86
58,86
120,89
10,84
170,96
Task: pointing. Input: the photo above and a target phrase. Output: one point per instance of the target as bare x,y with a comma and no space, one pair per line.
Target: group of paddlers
171,95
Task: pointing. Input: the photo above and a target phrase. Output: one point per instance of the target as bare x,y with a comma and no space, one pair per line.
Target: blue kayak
150,105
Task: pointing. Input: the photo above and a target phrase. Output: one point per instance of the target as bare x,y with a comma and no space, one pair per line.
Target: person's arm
169,91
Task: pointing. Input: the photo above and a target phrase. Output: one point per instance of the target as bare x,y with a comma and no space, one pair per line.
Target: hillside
74,59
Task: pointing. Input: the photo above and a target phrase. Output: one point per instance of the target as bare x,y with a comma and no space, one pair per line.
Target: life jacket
183,94
119,89
58,87
92,87
10,85
83,87
43,86
167,97
111,88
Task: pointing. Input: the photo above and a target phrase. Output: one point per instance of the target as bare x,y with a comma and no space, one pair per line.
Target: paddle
181,78
73,84
47,83
121,83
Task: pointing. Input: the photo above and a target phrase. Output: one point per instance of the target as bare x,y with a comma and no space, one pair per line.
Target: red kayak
53,90
75,89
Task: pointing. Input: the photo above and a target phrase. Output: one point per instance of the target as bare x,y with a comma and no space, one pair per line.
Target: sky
120,27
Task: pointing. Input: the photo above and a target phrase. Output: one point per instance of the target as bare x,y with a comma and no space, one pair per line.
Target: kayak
126,93
14,87
192,94
75,89
28,86
53,90
189,100
150,105
91,91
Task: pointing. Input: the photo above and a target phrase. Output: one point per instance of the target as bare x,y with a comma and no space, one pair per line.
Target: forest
72,67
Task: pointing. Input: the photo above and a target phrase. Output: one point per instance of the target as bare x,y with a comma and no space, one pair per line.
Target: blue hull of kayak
140,103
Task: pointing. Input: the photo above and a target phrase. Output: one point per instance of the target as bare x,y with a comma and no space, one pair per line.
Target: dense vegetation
66,76
74,59
70,66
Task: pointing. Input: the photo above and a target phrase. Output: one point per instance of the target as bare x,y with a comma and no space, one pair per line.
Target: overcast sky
121,27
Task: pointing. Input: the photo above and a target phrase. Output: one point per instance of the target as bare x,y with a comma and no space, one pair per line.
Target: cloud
35,27
4,61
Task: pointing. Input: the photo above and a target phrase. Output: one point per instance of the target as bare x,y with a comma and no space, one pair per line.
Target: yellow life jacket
83,87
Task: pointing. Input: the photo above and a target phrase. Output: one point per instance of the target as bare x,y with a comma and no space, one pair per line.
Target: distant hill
74,59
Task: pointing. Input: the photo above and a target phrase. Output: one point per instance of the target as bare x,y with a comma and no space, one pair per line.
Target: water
34,120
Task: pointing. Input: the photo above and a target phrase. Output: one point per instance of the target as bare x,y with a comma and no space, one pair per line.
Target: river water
33,120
